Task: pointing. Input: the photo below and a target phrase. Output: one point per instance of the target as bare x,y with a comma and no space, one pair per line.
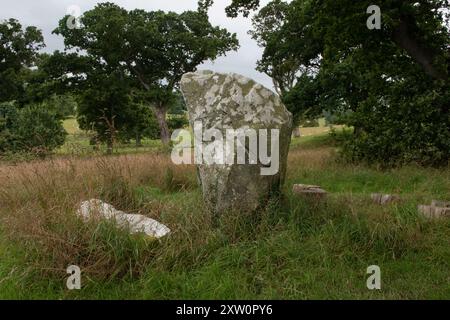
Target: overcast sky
45,15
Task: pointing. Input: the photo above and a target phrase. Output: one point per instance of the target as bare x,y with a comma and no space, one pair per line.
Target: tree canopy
391,85
18,51
152,50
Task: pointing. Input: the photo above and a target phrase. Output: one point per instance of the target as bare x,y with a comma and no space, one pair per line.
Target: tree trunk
358,131
109,145
404,38
160,113
138,140
296,132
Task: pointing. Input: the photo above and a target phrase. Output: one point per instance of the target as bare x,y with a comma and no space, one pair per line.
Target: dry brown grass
39,201
311,158
75,172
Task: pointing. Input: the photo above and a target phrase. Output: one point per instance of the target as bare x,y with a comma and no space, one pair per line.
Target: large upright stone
231,101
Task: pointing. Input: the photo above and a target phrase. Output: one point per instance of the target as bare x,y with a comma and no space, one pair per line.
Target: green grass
71,126
291,250
77,143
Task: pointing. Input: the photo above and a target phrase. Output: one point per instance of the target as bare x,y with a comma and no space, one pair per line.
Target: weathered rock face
135,223
231,101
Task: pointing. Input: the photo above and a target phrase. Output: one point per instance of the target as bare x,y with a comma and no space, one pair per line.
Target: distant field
315,131
71,126
291,250
77,141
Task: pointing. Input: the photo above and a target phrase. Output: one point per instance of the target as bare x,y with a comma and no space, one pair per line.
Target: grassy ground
291,250
77,143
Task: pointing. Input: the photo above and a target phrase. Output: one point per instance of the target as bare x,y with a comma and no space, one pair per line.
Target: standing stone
231,101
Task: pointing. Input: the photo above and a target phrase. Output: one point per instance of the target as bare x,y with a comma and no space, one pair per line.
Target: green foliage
177,121
278,61
18,51
32,129
141,124
241,6
236,7
151,50
64,106
8,126
391,84
303,99
178,106
409,127
105,105
150,128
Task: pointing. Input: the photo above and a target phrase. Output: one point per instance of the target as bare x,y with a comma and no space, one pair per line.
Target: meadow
290,250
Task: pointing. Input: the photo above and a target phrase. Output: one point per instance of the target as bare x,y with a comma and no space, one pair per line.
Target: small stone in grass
442,204
309,191
434,212
385,198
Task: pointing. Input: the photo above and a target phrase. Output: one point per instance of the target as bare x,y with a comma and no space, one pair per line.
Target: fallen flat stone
442,204
135,223
309,191
433,212
385,198
303,187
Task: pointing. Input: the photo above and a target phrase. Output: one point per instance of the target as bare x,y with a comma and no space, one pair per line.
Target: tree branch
422,55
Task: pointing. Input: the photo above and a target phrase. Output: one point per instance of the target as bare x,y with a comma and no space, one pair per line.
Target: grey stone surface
135,223
311,192
298,188
439,203
433,212
232,101
384,199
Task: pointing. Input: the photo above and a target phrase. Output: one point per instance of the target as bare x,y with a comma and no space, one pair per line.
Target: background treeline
391,85
119,76
121,68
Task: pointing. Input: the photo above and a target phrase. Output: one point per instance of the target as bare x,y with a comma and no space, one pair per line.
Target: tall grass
39,201
292,249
